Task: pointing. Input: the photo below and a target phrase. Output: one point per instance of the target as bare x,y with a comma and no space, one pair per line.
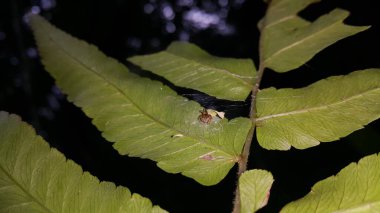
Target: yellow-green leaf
36,178
142,117
355,188
324,111
189,66
288,41
254,187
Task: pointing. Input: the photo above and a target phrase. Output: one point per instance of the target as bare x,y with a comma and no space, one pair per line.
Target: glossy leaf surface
187,65
289,41
37,178
355,188
322,112
254,186
142,117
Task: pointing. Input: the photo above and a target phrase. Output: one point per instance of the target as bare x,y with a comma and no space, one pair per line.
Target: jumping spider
205,117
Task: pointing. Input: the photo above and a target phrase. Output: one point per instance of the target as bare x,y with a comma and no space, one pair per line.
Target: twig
242,163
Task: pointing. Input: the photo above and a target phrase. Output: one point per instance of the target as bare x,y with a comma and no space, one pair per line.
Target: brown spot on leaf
207,157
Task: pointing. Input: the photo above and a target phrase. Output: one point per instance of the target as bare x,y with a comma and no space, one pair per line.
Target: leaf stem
252,115
243,161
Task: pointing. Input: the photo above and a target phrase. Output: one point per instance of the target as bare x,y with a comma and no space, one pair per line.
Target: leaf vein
314,108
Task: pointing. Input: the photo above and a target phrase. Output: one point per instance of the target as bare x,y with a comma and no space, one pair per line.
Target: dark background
122,28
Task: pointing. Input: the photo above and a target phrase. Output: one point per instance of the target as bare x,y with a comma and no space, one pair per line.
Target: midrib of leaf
285,18
24,190
136,105
314,108
236,76
298,42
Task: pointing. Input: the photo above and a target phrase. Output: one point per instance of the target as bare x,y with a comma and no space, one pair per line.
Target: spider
204,117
